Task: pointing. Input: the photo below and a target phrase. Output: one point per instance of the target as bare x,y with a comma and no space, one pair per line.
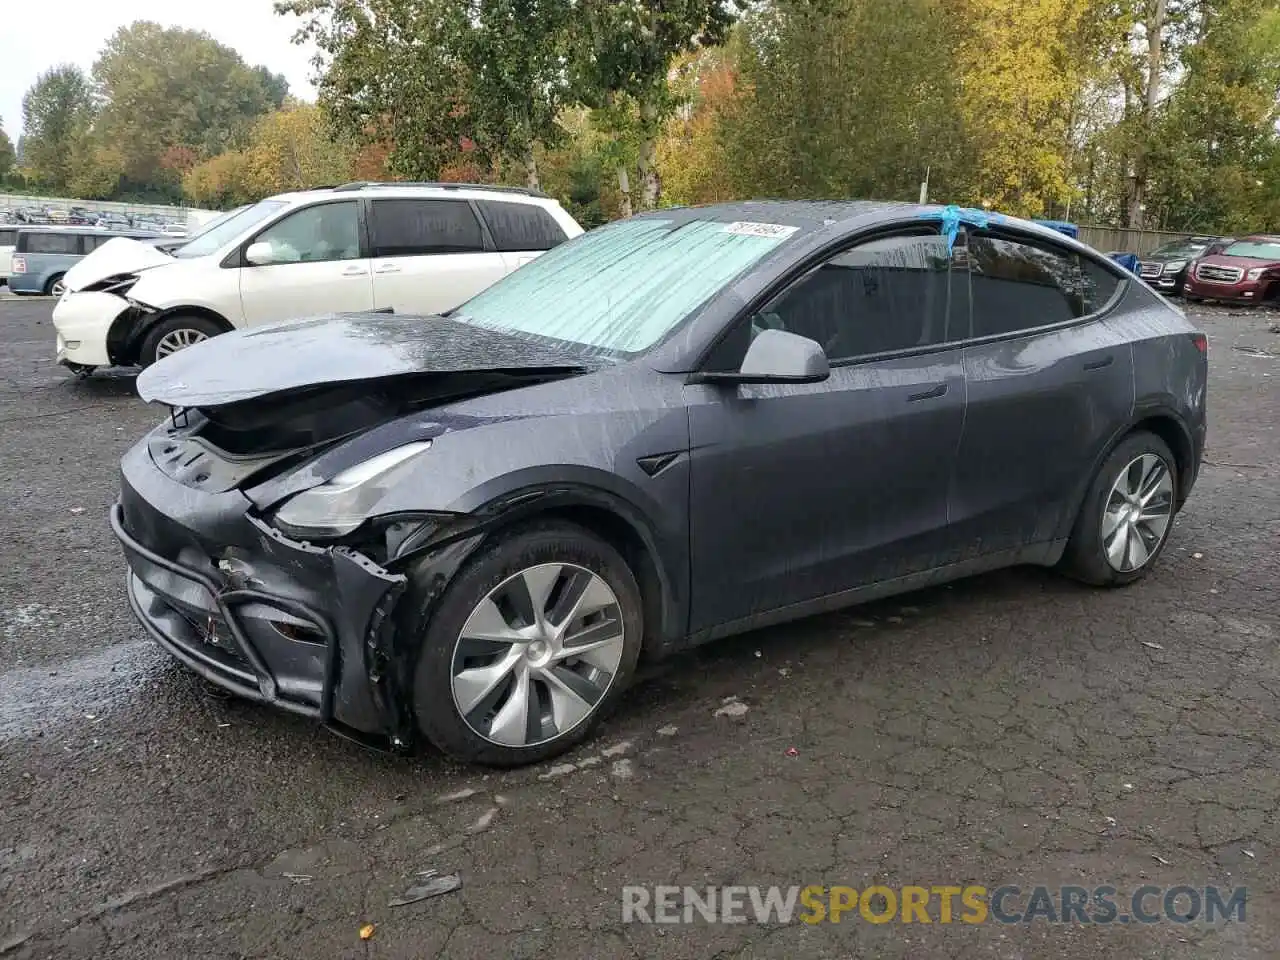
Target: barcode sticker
773,231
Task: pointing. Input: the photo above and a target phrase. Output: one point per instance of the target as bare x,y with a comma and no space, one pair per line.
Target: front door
801,491
317,267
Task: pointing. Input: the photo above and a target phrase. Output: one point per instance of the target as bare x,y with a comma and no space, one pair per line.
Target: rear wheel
1127,514
55,286
531,645
173,334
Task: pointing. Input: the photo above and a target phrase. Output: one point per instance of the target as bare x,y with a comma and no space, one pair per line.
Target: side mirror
260,253
776,356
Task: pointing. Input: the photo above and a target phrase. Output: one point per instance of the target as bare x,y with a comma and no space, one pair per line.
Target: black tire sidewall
147,352
1085,556
53,282
439,625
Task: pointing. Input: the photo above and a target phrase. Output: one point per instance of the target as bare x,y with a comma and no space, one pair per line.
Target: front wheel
1127,513
531,645
173,334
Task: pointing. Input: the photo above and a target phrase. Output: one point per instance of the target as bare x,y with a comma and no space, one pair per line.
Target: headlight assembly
338,506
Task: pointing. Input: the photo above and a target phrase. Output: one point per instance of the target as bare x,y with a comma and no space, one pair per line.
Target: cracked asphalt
1015,728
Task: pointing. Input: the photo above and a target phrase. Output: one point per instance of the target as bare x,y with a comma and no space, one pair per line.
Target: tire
491,724
54,287
168,335
1091,553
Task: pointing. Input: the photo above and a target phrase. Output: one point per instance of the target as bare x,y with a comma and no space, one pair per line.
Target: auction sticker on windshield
774,231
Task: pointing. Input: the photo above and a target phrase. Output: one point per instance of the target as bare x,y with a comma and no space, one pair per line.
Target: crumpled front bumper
82,322
268,618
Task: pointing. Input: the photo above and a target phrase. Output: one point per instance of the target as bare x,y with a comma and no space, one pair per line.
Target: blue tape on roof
952,216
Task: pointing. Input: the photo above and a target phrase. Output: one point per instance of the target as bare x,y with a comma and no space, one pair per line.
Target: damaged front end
258,558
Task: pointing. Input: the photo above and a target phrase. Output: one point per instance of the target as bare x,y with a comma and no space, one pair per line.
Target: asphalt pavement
1012,729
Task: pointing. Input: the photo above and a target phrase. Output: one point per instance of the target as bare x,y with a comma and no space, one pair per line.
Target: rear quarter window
520,226
7,237
51,242
405,228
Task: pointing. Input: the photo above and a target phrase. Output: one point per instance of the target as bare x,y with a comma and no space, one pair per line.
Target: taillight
1201,342
18,265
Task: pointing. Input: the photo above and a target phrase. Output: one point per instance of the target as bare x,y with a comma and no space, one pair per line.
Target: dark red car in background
1245,271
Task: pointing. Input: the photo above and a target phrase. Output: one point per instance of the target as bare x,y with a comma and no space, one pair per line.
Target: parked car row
84,217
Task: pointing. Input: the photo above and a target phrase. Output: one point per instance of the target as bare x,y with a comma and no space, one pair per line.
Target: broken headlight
120,284
338,506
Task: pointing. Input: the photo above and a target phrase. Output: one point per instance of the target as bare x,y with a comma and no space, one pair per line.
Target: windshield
1180,248
1254,249
218,235
618,290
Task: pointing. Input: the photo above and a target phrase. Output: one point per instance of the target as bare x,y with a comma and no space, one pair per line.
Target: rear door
1049,381
520,231
429,255
800,491
318,266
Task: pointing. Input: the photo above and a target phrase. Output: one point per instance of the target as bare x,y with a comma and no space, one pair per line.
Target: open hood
341,349
117,256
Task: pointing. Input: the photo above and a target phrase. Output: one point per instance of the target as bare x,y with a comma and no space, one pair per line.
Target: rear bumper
267,618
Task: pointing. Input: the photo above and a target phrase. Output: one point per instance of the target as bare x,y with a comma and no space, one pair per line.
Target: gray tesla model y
467,529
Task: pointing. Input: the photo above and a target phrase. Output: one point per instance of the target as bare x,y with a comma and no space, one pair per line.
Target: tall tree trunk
1141,156
624,186
650,183
531,168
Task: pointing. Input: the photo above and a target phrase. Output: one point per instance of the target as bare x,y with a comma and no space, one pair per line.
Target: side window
1100,286
327,231
1018,285
89,242
406,228
520,226
51,243
887,294
7,237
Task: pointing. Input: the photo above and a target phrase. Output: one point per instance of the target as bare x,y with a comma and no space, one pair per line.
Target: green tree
623,50
7,157
168,87
391,74
426,74
57,111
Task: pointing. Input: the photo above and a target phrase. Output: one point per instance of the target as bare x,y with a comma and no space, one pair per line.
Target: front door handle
354,272
937,390
1100,362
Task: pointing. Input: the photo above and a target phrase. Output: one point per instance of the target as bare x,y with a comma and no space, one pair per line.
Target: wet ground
1010,729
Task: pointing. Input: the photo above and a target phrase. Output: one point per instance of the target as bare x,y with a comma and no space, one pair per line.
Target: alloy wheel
1137,513
537,655
58,288
177,340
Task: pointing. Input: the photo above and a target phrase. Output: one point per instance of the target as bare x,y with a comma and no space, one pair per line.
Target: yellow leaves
288,149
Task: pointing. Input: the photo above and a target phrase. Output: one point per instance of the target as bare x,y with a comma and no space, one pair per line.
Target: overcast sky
61,31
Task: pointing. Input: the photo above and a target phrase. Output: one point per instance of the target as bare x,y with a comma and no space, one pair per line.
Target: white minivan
407,248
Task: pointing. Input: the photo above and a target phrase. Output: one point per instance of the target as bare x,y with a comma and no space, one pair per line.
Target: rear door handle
1100,363
937,390
387,268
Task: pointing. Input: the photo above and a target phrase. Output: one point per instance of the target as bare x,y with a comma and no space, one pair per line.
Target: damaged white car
399,248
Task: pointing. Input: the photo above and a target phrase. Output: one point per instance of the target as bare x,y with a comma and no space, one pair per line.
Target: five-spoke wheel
533,640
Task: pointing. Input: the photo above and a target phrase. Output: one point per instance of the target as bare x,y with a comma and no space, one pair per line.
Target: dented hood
118,255
339,349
